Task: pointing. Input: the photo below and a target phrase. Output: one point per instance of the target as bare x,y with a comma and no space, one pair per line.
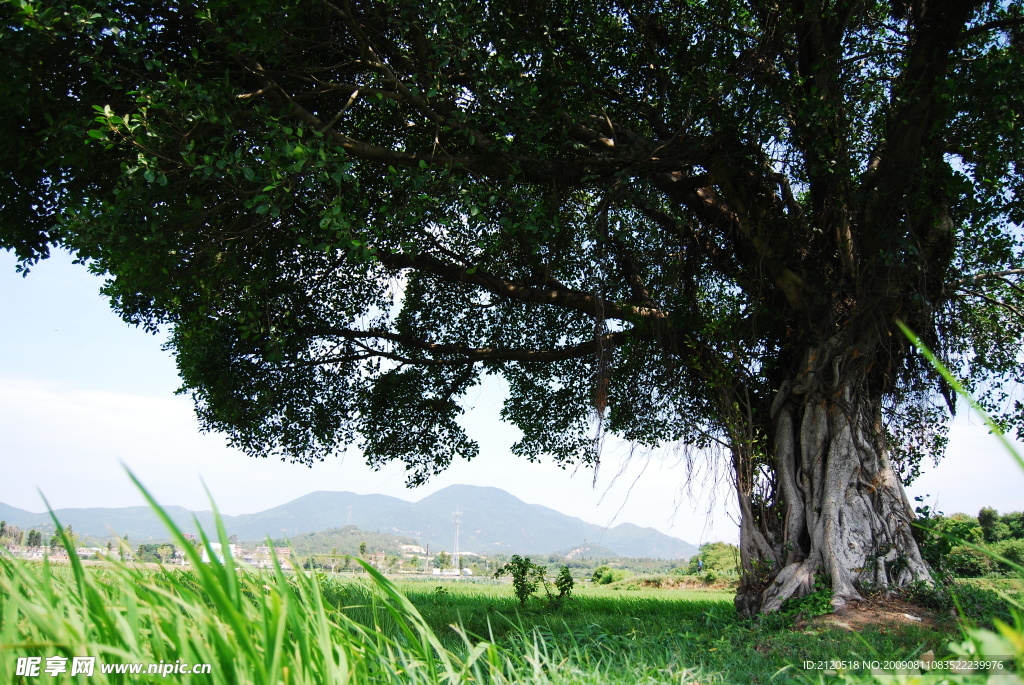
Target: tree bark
835,509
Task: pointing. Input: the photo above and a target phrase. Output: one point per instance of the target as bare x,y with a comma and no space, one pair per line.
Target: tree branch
518,290
461,355
971,280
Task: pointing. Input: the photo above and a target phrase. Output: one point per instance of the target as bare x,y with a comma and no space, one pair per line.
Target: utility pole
457,515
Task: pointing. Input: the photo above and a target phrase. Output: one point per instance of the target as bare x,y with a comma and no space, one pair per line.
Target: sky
84,395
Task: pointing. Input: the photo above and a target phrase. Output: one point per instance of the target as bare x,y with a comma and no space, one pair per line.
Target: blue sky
81,392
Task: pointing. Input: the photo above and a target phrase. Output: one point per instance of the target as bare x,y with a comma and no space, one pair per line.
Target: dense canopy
692,222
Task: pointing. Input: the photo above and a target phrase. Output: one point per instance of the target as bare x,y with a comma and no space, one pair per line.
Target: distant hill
493,521
587,552
140,523
347,540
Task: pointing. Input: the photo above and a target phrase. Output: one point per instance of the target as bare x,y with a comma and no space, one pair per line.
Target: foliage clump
606,575
963,599
564,584
816,603
963,546
527,577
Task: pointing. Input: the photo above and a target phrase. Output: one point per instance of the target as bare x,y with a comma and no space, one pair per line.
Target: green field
274,628
259,627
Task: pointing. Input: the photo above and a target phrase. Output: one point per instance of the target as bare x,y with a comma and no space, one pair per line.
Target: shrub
968,600
968,562
526,576
564,584
817,603
1011,550
613,575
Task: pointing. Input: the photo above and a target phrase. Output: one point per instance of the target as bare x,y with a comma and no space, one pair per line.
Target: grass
669,638
270,627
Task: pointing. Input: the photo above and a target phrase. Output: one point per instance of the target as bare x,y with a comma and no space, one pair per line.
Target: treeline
586,566
13,535
716,561
971,546
347,540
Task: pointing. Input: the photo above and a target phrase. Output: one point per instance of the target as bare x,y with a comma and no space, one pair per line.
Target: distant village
414,559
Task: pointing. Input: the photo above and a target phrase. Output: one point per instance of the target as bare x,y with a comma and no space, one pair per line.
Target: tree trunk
833,507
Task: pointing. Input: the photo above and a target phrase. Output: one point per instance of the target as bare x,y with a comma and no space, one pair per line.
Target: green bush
564,584
965,599
526,576
817,603
967,562
613,575
1011,550
720,557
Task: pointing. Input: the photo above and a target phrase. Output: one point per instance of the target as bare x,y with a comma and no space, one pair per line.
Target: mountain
346,540
140,523
491,521
587,552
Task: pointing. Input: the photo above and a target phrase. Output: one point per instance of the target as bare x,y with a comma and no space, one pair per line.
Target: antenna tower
457,516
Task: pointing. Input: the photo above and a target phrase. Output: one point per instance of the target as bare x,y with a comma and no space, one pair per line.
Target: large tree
672,222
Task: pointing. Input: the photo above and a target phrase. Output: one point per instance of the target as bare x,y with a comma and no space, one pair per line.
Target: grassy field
666,636
275,628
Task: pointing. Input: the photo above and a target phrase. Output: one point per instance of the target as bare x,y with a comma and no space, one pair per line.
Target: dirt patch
876,611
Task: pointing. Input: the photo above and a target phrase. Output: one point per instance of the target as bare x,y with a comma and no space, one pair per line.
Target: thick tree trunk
834,508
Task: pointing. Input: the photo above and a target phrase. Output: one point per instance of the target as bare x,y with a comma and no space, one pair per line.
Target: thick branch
557,296
460,354
935,37
971,280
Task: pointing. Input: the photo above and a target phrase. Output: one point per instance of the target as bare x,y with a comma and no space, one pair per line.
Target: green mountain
347,540
587,552
491,522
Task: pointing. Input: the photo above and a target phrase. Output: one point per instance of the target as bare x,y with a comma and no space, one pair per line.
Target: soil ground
877,611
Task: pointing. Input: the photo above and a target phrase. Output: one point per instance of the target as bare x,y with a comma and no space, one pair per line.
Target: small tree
564,583
444,561
526,576
57,541
992,525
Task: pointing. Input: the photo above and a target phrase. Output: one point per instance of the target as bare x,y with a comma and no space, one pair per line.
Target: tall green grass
252,627
1005,640
276,627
